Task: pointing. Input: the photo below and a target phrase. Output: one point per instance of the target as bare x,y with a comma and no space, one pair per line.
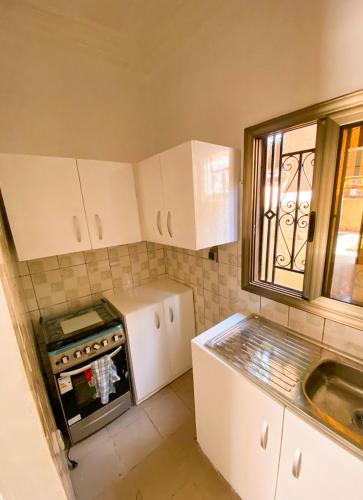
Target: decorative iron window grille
285,197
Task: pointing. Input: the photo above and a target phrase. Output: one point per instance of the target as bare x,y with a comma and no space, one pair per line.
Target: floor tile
167,412
159,476
98,465
123,489
135,440
149,453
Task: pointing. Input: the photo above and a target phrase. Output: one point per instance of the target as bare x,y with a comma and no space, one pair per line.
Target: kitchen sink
335,390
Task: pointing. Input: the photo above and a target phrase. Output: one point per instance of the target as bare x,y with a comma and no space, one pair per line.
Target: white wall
254,61
65,92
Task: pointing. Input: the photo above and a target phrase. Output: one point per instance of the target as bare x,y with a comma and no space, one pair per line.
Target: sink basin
336,392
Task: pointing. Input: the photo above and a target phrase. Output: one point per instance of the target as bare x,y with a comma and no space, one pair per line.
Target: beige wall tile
99,274
274,311
157,264
211,306
99,255
23,268
118,252
227,254
76,281
248,303
121,272
210,276
137,248
139,267
27,293
49,288
308,324
71,259
344,337
228,282
41,265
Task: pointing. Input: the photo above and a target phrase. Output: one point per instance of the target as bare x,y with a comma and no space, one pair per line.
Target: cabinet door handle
171,314
264,436
157,321
77,228
168,223
99,226
296,463
158,222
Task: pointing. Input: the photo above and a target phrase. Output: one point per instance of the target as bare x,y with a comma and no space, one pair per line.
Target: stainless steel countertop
279,360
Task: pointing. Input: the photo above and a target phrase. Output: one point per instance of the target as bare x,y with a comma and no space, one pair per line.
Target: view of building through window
345,268
286,187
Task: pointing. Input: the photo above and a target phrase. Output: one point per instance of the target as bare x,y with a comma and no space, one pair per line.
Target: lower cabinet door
148,349
180,329
313,467
238,426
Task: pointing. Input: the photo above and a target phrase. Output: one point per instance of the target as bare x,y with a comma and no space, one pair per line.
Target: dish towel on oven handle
105,374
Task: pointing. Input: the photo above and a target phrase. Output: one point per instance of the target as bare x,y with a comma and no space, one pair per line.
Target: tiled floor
149,453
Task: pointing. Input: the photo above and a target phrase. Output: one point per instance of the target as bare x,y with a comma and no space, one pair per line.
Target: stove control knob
116,338
96,346
77,354
65,360
104,342
87,349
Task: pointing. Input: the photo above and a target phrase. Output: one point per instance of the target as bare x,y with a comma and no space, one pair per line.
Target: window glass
344,276
287,166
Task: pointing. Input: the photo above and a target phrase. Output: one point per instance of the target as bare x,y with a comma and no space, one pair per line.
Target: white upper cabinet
110,200
43,201
188,195
178,185
151,202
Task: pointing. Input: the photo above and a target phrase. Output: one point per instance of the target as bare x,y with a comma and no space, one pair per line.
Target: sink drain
357,418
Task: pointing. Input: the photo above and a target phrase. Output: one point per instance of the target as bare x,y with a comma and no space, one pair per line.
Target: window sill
347,314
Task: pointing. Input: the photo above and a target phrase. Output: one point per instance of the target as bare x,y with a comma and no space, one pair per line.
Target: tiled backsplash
64,283
218,294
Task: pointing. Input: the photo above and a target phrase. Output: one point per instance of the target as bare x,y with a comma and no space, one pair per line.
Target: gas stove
75,338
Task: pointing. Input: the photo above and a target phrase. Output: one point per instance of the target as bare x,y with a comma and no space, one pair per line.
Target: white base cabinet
159,320
313,467
261,448
238,427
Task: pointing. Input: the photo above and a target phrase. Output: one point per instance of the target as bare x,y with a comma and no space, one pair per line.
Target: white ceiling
140,33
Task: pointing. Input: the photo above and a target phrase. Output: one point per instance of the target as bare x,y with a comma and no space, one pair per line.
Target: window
344,273
285,188
302,212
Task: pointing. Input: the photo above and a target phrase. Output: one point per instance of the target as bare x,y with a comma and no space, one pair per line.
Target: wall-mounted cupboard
62,205
188,195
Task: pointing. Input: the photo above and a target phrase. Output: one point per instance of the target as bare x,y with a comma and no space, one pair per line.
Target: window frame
330,116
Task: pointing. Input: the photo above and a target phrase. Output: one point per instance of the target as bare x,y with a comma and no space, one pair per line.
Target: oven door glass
78,395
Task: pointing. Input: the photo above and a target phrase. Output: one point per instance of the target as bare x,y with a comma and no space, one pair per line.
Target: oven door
78,396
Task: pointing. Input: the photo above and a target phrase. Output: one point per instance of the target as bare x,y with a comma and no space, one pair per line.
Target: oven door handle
70,373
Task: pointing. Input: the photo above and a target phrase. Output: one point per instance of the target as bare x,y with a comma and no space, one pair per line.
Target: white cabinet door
43,201
178,188
148,349
314,467
180,328
110,200
238,426
151,201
